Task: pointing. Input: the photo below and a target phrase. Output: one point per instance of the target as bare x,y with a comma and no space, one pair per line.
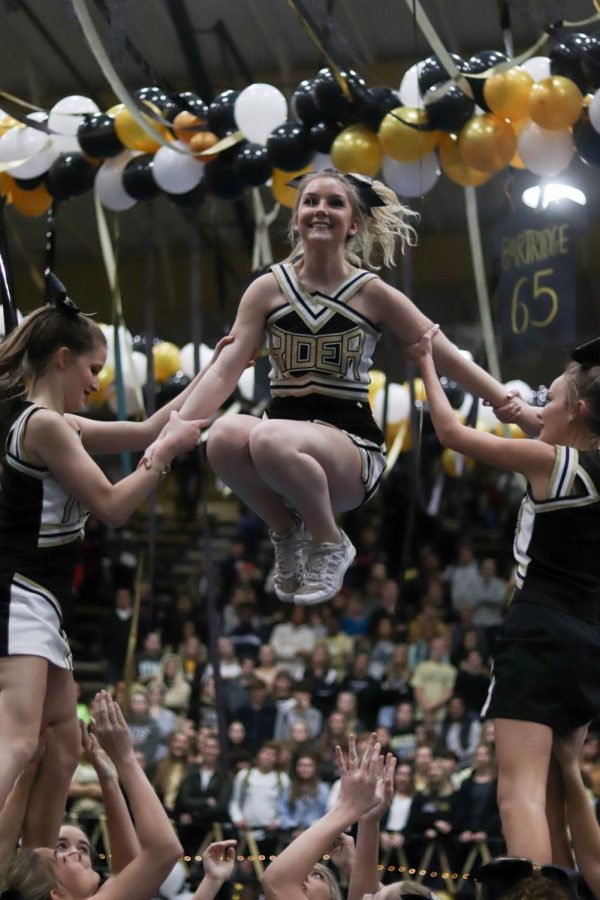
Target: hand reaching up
111,729
358,788
384,791
219,860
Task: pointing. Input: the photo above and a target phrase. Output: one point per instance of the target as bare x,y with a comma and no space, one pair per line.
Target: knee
224,438
266,444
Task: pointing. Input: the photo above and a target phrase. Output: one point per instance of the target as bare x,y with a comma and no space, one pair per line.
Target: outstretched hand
423,348
93,753
384,791
111,728
358,787
219,860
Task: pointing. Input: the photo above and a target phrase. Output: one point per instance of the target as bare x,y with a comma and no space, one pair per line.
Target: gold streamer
483,299
129,674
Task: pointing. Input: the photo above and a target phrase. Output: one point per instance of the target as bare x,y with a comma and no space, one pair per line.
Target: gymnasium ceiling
210,45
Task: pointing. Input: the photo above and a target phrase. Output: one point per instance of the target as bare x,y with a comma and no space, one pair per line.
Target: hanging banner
535,256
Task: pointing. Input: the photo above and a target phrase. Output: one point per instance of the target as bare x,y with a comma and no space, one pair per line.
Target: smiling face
76,878
81,376
324,213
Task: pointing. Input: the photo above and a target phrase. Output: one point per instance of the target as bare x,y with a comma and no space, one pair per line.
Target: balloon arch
493,114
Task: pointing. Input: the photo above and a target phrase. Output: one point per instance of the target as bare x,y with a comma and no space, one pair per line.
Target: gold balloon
204,140
455,464
106,380
356,149
282,192
30,203
401,140
115,109
507,93
7,123
377,383
186,125
555,103
487,143
454,165
391,432
419,389
167,360
133,135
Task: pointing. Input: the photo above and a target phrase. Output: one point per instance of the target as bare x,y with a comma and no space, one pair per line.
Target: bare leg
556,813
22,691
316,469
523,750
50,789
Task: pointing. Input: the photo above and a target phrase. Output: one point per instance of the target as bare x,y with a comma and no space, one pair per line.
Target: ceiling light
552,193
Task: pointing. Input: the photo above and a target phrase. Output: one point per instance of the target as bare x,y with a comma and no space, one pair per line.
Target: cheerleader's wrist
152,462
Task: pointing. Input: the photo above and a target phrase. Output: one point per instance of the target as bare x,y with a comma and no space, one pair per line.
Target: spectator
395,685
462,577
229,665
300,740
237,695
171,770
336,732
345,703
365,688
293,641
144,732
298,709
203,798
460,731
256,796
266,669
305,799
473,681
423,759
165,719
247,637
355,621
432,812
282,688
383,648
433,681
236,743
403,732
182,611
193,657
258,718
489,602
177,691
116,634
466,638
148,660
478,816
392,827
322,678
339,644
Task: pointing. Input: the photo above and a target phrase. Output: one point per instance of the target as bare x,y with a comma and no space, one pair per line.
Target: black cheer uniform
320,351
547,662
41,527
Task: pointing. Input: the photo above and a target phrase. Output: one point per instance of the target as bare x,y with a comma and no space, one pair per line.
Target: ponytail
28,350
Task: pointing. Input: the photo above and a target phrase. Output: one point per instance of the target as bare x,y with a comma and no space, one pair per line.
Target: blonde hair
334,888
31,874
380,228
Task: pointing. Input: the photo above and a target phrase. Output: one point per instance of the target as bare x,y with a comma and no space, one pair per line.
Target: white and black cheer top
41,528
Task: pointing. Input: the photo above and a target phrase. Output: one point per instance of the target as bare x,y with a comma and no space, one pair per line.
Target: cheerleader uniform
547,662
320,351
41,527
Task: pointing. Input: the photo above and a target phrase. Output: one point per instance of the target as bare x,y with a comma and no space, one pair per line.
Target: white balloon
140,367
538,67
125,343
19,320
545,152
414,178
410,95
522,387
246,384
486,418
30,144
594,111
65,118
133,367
398,408
186,358
108,183
259,109
176,172
173,883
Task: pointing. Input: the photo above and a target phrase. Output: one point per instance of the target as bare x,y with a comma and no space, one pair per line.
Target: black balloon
303,104
191,198
157,96
451,110
333,101
376,104
253,165
566,58
289,147
220,113
322,135
590,64
222,180
69,175
453,391
478,63
97,136
171,388
190,102
231,153
587,141
431,71
138,180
